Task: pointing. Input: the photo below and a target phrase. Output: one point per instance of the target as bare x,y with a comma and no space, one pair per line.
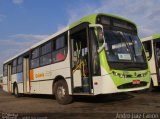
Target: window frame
35,58
46,53
5,74
52,40
45,45
14,66
19,64
33,51
65,34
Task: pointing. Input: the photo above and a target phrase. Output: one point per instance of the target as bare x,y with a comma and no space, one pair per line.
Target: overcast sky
25,22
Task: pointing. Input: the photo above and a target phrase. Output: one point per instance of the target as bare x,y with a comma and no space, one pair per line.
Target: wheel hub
61,92
15,91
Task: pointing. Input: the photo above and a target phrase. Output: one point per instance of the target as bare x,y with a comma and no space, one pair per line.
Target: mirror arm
94,26
100,49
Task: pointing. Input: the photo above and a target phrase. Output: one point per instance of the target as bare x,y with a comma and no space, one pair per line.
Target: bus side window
5,70
35,58
148,49
20,63
14,66
60,49
46,54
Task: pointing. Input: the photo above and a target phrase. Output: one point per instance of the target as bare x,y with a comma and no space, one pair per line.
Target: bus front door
80,62
157,59
26,83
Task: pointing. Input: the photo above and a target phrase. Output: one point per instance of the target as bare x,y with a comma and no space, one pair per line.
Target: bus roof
153,37
89,18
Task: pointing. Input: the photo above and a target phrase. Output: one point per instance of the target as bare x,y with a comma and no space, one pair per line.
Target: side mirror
100,35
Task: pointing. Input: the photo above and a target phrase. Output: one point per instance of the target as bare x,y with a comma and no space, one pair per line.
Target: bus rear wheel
62,93
16,94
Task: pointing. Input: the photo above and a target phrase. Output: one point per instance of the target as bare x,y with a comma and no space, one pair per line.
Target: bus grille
130,85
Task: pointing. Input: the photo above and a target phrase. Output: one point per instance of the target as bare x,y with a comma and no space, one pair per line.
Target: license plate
136,82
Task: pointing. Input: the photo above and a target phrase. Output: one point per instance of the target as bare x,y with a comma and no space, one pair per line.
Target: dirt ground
83,107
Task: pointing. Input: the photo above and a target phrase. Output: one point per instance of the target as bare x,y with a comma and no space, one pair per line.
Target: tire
16,94
62,93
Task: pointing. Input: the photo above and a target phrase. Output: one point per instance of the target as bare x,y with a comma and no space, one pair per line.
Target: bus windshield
123,47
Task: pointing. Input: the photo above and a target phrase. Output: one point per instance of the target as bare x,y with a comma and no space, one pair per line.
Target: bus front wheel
62,93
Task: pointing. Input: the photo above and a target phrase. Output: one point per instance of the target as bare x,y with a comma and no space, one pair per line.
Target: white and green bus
152,48
99,54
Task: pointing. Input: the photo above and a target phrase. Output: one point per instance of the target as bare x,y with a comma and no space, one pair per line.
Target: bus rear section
152,49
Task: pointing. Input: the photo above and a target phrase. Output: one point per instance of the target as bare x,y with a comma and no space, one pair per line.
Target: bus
152,49
98,54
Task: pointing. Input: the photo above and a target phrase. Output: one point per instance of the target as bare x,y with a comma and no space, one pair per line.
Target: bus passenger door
80,62
26,83
9,79
157,58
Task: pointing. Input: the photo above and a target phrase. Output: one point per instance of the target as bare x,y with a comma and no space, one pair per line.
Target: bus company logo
135,73
9,116
48,73
40,75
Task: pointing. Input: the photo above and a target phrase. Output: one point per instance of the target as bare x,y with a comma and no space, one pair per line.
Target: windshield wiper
127,44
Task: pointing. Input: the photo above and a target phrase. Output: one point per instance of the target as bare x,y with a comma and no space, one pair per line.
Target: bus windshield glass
123,47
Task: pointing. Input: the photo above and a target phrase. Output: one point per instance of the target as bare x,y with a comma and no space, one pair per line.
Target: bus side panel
43,77
35,87
45,87
65,73
20,82
97,85
42,80
20,87
105,84
5,88
63,69
5,84
14,79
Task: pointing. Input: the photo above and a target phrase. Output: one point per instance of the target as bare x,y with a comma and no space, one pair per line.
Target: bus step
86,87
83,94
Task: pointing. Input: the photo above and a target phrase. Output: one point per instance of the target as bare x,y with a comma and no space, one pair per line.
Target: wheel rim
61,92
